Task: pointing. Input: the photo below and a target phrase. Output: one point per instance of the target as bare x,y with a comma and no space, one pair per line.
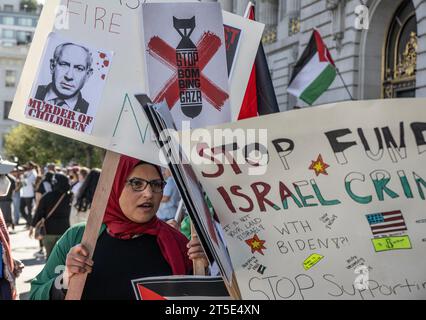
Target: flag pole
344,84
247,12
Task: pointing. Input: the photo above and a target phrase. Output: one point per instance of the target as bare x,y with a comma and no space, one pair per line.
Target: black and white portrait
71,68
70,82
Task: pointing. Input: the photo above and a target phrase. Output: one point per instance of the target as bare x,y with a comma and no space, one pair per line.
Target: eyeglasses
138,184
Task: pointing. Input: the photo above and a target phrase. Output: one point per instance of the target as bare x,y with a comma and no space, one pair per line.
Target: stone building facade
17,27
386,60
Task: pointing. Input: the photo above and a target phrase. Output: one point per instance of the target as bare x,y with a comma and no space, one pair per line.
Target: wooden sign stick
233,289
199,268
96,217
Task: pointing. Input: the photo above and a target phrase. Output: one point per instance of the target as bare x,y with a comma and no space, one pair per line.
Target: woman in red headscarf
133,243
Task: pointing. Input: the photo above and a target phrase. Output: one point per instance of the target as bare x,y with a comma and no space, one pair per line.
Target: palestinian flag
314,72
180,288
260,98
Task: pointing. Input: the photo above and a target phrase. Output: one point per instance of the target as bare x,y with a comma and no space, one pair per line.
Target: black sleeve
40,211
41,188
56,293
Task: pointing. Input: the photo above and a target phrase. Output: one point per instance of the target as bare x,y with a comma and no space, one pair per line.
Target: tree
29,143
29,5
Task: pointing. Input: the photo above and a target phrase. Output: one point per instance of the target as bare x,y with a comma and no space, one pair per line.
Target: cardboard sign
186,61
248,44
115,27
232,41
208,230
338,212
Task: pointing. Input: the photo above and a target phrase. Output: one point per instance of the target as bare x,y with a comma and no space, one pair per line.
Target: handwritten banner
328,202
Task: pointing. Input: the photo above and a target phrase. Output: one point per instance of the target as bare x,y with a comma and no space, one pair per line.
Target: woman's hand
173,224
77,262
18,266
195,250
31,232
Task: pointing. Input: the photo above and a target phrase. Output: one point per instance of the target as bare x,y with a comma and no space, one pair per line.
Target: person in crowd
16,197
6,203
36,168
75,216
170,200
51,167
73,175
10,268
132,243
42,187
85,196
37,183
27,192
58,200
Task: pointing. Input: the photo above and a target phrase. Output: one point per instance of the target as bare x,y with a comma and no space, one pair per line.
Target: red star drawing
319,166
256,244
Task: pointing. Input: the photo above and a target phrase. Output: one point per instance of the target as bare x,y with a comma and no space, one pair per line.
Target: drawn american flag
387,222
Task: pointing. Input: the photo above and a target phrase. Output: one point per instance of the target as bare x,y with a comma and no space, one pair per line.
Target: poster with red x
186,61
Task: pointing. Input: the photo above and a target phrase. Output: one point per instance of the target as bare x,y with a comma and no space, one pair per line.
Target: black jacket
82,105
59,221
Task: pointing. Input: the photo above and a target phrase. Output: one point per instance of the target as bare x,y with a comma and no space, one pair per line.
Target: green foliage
29,143
31,5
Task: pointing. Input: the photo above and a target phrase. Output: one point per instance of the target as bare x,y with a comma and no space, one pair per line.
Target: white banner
338,212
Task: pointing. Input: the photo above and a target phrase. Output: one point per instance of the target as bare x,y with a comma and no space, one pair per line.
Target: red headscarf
172,243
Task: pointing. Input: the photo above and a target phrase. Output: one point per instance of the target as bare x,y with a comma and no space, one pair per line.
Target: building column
293,7
267,12
227,5
240,6
420,6
337,9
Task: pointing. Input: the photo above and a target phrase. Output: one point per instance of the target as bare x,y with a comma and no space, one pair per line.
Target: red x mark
207,47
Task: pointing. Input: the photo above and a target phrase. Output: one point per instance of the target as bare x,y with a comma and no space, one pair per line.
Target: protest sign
246,51
114,121
189,188
186,61
112,27
232,41
110,117
337,212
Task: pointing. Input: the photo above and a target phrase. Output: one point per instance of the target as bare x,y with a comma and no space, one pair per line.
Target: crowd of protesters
30,183
62,196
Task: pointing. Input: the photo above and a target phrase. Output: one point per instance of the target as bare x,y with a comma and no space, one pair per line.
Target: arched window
400,54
